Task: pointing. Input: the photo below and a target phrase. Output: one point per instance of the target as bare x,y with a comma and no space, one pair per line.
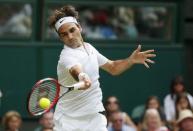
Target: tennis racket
47,88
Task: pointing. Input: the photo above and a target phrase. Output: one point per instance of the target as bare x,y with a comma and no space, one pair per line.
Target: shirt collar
78,48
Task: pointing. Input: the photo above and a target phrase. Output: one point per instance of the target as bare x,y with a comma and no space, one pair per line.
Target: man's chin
75,45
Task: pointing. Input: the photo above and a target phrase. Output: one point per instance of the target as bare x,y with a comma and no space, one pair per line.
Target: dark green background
22,66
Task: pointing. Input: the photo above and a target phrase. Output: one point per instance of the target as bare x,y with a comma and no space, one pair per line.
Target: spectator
112,105
46,122
177,87
19,24
153,22
153,102
126,20
118,124
12,121
185,121
152,121
182,103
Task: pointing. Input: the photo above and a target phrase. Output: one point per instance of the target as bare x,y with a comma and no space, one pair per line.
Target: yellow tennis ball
44,103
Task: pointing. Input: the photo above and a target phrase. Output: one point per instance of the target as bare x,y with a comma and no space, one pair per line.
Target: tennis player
81,110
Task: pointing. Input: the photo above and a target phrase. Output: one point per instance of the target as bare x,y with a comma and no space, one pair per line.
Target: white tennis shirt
80,102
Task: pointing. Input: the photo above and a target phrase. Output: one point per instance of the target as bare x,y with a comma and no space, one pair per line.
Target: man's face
70,34
47,121
187,124
117,121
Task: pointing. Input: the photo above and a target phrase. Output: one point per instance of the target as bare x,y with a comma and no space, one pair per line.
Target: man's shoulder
89,45
66,52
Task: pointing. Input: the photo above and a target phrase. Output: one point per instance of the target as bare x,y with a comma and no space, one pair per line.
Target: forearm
75,71
119,66
79,76
137,57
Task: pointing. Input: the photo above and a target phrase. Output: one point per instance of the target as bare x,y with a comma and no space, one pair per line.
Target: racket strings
45,89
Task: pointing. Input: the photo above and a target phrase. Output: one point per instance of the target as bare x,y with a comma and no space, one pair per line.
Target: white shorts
94,122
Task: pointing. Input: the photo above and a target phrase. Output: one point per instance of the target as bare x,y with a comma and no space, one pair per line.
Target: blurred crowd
175,114
15,20
100,22
12,121
125,22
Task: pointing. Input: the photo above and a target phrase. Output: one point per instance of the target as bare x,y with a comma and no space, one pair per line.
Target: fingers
87,83
138,48
148,51
150,55
146,65
150,61
83,76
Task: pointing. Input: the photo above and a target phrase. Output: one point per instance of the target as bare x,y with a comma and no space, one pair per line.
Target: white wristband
78,85
83,76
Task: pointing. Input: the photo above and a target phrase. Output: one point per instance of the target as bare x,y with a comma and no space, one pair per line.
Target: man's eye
72,30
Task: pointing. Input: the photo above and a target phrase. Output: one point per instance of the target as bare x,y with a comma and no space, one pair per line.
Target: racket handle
78,85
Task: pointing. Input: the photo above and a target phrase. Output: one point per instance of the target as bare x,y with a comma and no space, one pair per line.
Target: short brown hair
67,10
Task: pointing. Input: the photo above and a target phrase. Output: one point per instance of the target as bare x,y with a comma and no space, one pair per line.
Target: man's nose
69,36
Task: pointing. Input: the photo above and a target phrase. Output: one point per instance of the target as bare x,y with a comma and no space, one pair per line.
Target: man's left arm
137,57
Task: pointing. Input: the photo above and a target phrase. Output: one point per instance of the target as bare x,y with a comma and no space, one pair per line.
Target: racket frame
57,97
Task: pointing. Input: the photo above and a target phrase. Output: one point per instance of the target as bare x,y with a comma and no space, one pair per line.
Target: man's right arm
79,75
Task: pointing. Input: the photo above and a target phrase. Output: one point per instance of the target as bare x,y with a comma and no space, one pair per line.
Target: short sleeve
101,59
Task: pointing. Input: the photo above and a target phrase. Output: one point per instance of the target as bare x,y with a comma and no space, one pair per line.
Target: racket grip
78,85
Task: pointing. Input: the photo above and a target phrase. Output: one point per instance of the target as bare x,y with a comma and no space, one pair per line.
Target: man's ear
59,36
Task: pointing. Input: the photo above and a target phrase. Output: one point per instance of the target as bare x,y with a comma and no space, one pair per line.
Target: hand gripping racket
47,88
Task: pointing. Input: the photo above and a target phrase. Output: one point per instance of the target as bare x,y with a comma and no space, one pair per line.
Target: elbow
114,73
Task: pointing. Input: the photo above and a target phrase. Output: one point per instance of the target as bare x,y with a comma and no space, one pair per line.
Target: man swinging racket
80,110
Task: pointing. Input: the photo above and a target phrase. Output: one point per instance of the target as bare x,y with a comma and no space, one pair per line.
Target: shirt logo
61,21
